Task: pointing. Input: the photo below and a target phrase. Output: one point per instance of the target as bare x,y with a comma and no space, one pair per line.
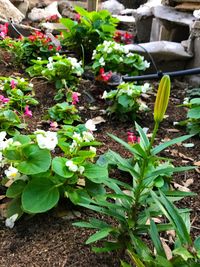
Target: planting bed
50,239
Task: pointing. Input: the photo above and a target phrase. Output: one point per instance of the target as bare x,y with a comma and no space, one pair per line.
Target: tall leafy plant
89,30
146,207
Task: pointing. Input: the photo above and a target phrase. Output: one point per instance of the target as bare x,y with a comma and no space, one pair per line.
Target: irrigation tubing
159,75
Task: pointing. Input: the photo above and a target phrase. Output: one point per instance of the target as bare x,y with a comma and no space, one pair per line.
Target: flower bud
162,98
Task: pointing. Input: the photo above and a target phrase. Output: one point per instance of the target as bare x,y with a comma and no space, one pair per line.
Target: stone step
172,15
162,50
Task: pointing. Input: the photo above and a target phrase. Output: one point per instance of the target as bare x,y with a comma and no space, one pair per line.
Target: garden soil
50,240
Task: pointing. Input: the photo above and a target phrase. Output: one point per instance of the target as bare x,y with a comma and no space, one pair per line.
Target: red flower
104,76
101,71
58,48
132,138
32,38
50,47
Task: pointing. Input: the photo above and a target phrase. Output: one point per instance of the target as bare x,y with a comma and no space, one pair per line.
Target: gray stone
66,9
162,50
9,11
24,7
38,14
170,14
113,6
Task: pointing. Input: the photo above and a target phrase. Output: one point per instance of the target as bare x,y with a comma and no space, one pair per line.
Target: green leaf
35,161
125,264
23,139
59,167
135,259
197,243
194,113
39,195
95,173
183,252
14,207
156,239
140,153
15,189
161,147
143,138
171,212
99,235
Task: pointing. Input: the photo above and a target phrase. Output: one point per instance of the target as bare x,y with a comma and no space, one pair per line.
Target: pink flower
3,30
28,112
4,99
132,138
104,76
13,84
78,17
75,98
54,124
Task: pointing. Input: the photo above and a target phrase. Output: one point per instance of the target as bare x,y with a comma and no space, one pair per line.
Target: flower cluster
132,138
123,37
46,140
113,56
104,76
53,18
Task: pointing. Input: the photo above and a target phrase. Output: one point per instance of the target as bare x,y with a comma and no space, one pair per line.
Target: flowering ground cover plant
126,101
36,178
90,29
23,50
123,37
146,207
64,71
116,57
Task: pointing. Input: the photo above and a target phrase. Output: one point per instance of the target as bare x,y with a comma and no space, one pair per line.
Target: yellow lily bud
162,98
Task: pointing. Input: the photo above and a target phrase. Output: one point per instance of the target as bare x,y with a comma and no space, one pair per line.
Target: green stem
156,125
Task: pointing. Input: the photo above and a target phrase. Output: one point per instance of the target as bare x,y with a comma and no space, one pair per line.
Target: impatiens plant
144,210
7,84
89,30
116,57
36,178
126,100
64,71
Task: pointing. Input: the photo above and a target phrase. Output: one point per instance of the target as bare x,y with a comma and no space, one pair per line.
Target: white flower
30,85
22,80
2,136
146,64
71,166
6,143
186,101
10,222
77,136
90,125
50,59
47,140
87,136
94,54
101,61
104,94
12,173
175,123
73,146
145,87
93,149
126,50
81,169
39,58
50,66
129,55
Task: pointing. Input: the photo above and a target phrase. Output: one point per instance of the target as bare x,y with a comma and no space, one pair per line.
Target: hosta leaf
39,195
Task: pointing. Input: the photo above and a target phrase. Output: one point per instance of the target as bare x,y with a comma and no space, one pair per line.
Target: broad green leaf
15,189
174,141
156,239
194,113
59,167
68,23
35,161
197,243
39,195
99,235
23,139
95,173
14,207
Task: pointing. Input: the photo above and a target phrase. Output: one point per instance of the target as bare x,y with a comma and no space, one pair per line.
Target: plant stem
156,125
